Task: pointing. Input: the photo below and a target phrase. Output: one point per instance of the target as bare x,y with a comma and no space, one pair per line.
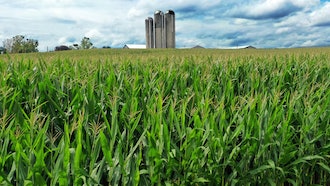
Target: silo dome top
158,12
170,12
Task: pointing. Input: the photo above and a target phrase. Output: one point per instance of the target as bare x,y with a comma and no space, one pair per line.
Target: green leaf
324,166
106,149
307,158
201,180
260,169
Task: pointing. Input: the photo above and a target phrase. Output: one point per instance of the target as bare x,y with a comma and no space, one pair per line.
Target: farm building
134,46
239,47
197,47
2,50
61,48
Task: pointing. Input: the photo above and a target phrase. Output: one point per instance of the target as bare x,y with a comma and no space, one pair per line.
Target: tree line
84,44
21,44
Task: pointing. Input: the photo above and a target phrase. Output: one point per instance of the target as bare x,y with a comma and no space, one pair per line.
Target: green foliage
20,44
86,43
165,117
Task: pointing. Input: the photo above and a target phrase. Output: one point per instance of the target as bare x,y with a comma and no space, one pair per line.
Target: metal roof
237,47
134,46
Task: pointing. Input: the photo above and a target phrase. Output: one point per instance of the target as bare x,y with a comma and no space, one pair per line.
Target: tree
86,43
19,44
8,45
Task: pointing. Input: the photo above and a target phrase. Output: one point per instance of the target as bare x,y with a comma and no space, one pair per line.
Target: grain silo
159,28
169,29
149,33
160,31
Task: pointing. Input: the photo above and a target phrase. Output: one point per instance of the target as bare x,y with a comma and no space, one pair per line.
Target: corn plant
165,117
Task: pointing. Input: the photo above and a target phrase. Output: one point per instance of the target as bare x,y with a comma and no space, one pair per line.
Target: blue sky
210,23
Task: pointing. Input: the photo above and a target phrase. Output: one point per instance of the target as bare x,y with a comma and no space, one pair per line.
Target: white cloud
66,40
265,23
321,16
271,9
94,33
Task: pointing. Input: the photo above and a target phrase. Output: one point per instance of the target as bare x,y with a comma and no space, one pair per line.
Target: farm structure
134,46
160,31
2,50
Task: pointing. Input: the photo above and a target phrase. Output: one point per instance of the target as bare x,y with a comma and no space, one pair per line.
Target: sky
209,23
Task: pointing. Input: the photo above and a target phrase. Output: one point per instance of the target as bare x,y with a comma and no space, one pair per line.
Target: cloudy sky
210,23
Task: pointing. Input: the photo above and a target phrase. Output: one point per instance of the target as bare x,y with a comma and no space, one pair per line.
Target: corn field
166,117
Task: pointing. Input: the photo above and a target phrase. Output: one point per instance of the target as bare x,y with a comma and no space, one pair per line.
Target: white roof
134,46
236,47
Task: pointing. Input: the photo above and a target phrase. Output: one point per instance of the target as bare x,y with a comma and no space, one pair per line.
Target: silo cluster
160,31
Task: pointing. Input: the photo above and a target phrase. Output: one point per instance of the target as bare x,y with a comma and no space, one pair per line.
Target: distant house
2,50
133,46
61,48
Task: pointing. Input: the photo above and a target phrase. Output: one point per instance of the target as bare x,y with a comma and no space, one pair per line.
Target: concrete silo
159,28
169,29
149,33
160,31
